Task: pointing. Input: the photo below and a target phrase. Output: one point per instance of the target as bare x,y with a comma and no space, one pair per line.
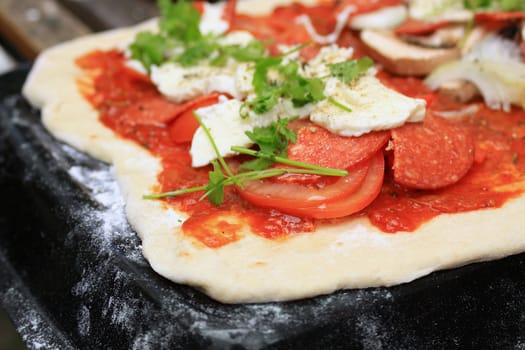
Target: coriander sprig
179,39
317,170
222,175
505,5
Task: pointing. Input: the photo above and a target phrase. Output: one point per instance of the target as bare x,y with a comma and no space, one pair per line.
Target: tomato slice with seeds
182,128
301,200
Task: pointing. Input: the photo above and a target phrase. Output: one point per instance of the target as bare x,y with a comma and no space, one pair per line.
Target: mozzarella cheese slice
211,21
179,83
384,18
228,129
373,107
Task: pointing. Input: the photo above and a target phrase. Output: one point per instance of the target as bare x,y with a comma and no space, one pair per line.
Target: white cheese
180,83
384,18
373,105
136,66
439,10
317,67
211,19
227,128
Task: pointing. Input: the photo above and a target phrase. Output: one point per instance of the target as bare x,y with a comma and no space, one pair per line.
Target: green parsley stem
295,49
249,176
223,163
317,169
174,193
339,104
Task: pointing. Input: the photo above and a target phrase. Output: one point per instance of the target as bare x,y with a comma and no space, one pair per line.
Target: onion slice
494,66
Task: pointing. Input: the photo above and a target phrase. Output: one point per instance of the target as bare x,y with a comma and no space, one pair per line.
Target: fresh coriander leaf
260,104
196,51
179,20
215,187
257,164
260,80
272,140
253,51
348,71
304,90
149,49
220,59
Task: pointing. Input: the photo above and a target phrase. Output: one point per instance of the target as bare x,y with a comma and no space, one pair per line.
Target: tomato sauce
122,97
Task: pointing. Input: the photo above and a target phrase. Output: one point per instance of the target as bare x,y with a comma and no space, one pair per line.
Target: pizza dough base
347,255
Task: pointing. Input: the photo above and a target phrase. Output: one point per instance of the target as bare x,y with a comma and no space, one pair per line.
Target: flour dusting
35,330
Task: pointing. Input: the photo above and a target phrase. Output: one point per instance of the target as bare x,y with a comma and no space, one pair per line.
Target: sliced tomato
302,201
184,125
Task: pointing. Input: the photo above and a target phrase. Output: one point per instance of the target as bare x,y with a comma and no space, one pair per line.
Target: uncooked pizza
277,150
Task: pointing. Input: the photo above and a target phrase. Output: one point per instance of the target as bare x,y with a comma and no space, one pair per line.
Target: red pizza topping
350,203
184,126
304,199
429,155
435,169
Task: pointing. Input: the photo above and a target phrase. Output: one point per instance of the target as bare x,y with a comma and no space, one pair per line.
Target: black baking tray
72,275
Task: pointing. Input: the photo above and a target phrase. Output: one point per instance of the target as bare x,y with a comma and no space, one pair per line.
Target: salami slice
430,155
316,145
319,146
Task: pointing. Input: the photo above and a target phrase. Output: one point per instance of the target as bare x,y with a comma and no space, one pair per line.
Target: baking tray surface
72,274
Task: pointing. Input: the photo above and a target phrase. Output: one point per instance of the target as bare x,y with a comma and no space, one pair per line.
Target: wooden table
30,26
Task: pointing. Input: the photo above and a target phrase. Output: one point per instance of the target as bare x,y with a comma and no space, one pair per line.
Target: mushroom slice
459,90
444,37
402,58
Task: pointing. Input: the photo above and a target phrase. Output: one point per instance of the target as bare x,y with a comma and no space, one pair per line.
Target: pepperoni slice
150,110
499,16
319,146
316,145
432,154
158,111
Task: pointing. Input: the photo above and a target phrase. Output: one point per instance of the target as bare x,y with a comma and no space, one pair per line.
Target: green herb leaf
215,187
179,20
259,105
272,140
196,51
253,51
260,81
476,4
303,90
149,48
349,71
512,5
496,5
